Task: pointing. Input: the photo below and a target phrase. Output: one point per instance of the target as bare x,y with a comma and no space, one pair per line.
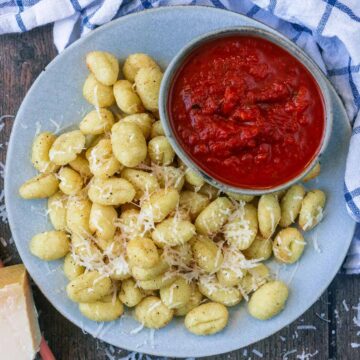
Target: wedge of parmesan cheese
19,329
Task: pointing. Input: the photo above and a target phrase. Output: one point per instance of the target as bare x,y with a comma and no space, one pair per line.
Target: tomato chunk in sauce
247,112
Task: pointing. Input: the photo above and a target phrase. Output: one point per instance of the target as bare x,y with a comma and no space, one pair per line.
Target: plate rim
8,195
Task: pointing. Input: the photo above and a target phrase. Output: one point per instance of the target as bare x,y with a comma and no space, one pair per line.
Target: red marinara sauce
247,112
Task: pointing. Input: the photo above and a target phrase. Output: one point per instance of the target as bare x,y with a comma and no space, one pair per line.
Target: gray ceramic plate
57,95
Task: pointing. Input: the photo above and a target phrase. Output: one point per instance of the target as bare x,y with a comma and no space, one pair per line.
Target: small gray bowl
282,42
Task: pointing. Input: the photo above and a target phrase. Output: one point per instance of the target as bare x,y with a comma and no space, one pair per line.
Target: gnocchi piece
269,300
98,94
104,66
128,144
259,249
78,215
170,176
176,295
228,277
70,181
157,282
142,252
143,182
97,122
160,151
233,268
126,98
207,319
102,221
112,191
139,273
210,287
291,205
255,277
194,301
57,205
160,204
240,197
39,187
102,161
152,313
129,225
172,232
242,227
210,191
84,248
71,269
88,287
135,62
279,194
193,202
147,82
207,254
66,147
102,310
40,153
313,173
50,245
214,216
194,179
130,294
288,245
269,214
157,129
81,165
312,208
143,121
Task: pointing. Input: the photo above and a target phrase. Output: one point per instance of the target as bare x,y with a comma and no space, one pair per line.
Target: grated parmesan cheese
137,329
285,356
258,353
305,356
306,327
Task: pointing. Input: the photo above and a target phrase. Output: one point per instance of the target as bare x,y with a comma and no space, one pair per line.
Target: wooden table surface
328,330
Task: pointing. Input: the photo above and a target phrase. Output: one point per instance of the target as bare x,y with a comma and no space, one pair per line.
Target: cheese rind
19,329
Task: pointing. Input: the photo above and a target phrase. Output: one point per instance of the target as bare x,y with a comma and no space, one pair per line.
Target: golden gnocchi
268,300
128,143
147,85
135,62
98,94
312,209
207,319
66,147
288,245
104,66
40,153
269,214
126,98
97,122
152,313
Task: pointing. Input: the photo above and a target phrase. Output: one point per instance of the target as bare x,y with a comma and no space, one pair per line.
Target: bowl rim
280,41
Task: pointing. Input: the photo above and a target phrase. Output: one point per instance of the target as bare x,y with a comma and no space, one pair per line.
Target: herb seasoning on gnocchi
137,229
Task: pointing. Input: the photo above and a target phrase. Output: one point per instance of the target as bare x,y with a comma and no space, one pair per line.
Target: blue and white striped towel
328,30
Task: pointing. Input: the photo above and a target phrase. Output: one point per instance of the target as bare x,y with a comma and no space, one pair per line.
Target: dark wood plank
22,58
344,312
